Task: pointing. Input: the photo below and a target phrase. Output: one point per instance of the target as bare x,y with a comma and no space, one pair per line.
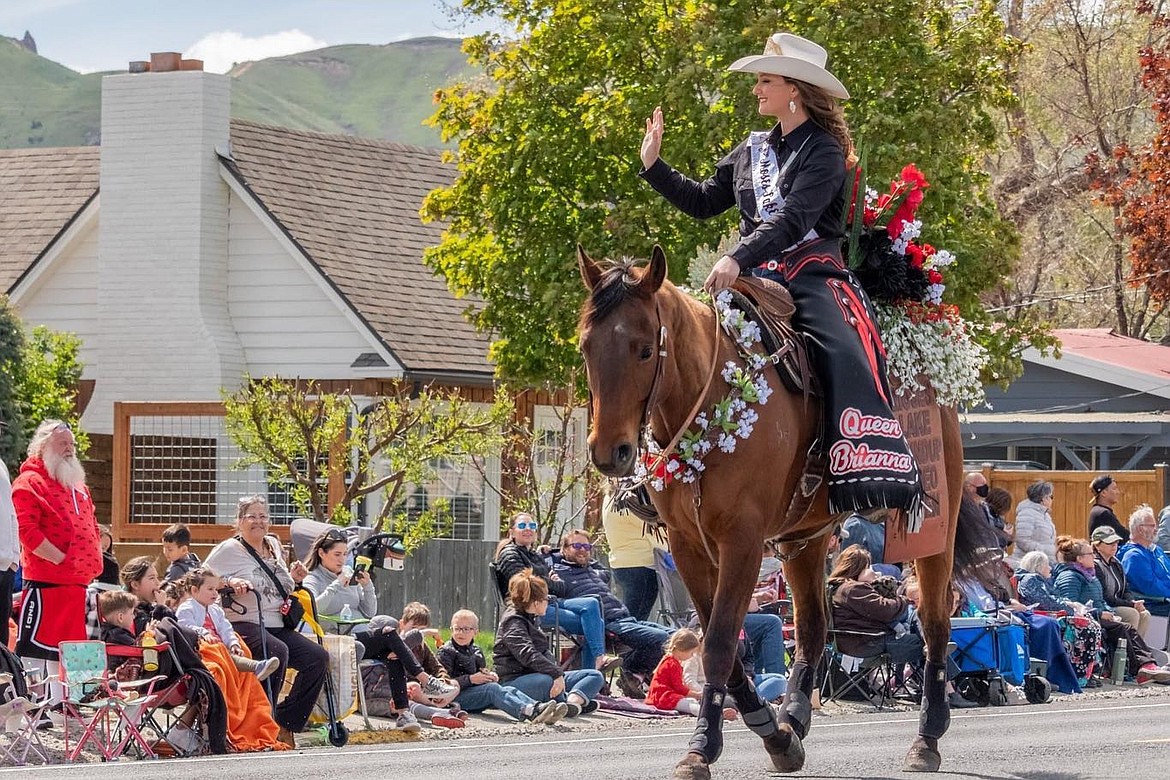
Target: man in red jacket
60,550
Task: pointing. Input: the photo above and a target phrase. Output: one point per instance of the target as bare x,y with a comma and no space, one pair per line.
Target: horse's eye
646,353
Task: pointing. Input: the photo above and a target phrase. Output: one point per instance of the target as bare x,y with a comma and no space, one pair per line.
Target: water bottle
1120,658
347,613
149,651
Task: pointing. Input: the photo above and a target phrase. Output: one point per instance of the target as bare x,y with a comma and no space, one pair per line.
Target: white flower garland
729,421
939,349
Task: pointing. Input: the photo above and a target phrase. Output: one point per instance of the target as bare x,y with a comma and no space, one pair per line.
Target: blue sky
89,35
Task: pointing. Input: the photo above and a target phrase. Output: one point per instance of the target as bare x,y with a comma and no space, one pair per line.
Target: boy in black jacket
479,688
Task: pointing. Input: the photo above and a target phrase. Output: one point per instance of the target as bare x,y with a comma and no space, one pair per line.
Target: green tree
303,436
49,376
11,348
547,142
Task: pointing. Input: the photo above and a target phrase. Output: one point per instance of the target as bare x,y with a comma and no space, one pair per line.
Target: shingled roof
352,205
41,191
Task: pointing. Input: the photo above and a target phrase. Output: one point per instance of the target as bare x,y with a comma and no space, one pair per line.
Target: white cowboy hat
796,58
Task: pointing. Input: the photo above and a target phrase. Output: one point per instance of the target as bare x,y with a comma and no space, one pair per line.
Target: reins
652,401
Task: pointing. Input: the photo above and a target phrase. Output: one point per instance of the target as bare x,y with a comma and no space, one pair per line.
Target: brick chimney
164,328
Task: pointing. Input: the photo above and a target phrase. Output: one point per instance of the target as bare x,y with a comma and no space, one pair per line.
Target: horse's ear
590,272
655,274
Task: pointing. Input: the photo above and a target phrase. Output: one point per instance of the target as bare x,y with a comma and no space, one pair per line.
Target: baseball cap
1100,483
1104,534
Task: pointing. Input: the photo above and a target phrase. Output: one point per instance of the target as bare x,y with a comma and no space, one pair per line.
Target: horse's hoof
785,749
922,758
692,767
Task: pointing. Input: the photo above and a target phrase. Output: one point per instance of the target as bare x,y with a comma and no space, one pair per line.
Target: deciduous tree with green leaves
546,143
12,438
293,428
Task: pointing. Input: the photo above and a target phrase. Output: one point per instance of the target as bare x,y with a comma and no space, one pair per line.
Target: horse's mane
619,284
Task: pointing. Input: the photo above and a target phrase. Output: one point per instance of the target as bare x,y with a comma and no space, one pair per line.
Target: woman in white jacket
1034,527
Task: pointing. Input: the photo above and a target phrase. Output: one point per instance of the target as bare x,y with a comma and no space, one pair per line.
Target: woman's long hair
852,561
323,543
826,111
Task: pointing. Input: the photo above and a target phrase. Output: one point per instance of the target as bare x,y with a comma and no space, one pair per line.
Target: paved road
1123,738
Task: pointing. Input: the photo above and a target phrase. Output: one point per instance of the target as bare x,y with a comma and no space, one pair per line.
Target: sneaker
266,669
1151,673
549,712
287,737
436,688
572,710
591,707
407,722
446,721
458,713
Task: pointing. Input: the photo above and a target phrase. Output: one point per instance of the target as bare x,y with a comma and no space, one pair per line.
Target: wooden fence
446,575
1072,496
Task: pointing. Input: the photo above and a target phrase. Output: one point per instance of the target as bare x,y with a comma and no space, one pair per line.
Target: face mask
983,490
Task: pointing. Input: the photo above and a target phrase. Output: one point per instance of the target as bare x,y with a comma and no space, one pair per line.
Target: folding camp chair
114,708
169,718
872,678
19,717
674,602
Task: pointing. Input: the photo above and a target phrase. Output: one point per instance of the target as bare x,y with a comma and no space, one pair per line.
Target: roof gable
352,205
41,191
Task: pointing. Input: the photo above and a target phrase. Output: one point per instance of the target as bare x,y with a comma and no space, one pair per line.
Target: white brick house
191,249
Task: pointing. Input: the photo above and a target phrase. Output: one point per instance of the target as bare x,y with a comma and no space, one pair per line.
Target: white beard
66,470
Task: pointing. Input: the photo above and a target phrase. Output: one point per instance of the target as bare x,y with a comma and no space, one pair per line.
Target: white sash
766,178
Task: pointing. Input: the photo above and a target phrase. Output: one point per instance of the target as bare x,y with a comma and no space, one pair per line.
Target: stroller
383,550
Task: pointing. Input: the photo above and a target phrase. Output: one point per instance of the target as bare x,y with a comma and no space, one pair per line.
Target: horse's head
619,334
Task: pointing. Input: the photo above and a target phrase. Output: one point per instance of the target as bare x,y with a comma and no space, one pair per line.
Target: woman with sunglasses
576,616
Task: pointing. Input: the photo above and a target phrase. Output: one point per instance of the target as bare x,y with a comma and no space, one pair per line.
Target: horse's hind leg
934,575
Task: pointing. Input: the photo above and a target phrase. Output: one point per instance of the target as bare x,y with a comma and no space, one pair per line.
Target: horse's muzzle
620,463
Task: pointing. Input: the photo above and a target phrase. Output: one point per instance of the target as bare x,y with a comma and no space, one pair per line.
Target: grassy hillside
374,91
43,103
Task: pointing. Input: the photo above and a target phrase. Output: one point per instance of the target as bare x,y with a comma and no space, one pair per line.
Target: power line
1072,296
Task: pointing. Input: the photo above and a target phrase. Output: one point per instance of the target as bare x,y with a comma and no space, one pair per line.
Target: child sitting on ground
668,690
175,541
414,627
205,617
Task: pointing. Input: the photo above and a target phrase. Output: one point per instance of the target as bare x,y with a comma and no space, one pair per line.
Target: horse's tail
977,550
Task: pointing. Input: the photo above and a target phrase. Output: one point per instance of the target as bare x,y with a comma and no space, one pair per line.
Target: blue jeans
771,686
581,617
586,683
478,698
639,589
645,641
766,633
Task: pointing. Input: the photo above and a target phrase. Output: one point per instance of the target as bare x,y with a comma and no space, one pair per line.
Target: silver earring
792,106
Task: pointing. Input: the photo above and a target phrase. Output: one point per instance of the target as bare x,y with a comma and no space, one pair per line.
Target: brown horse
641,337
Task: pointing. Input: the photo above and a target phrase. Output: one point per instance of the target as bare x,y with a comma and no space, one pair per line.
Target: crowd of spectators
1077,599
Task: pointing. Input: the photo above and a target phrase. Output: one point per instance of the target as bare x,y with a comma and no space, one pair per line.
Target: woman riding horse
789,186
630,333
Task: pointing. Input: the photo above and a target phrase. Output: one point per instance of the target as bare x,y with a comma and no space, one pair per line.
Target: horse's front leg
804,575
934,577
733,582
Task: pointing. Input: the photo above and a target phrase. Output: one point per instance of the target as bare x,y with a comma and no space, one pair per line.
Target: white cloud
220,50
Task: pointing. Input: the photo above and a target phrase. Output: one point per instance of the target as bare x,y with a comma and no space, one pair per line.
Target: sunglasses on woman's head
335,534
526,525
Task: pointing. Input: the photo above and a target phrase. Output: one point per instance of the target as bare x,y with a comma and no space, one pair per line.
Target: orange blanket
250,723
